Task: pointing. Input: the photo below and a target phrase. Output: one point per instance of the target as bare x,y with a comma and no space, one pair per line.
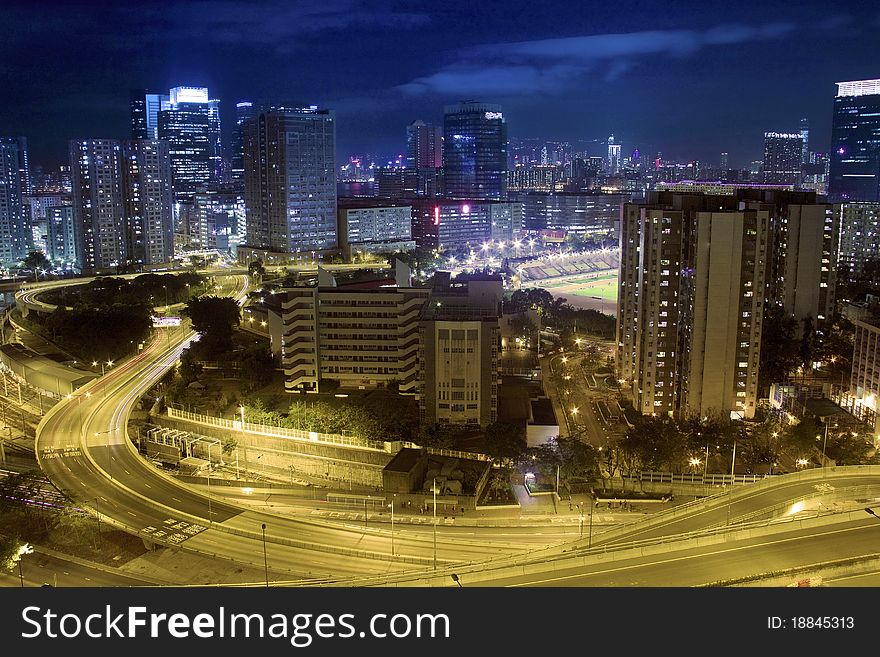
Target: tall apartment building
803,250
60,235
854,173
15,230
863,398
290,179
474,151
146,176
459,345
613,162
184,122
859,235
360,338
99,217
782,158
374,228
690,303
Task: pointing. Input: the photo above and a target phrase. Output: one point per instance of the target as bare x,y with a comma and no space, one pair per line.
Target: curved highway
83,447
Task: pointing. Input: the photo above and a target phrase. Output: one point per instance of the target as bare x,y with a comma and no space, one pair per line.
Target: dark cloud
553,65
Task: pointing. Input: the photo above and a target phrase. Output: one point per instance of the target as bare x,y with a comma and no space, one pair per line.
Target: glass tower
855,142
184,122
475,151
243,110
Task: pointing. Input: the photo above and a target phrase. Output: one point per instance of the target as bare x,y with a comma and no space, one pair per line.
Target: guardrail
282,432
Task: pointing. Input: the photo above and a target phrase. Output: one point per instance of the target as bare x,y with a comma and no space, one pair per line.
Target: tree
505,441
257,365
215,319
256,270
10,551
808,338
779,348
35,261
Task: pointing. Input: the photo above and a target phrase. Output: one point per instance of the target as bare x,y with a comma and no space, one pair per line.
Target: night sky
690,78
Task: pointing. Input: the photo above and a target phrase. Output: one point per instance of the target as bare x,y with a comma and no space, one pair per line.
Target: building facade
782,158
148,202
244,110
424,146
690,300
60,237
377,228
859,235
854,173
184,122
459,347
290,181
360,338
15,230
99,216
474,151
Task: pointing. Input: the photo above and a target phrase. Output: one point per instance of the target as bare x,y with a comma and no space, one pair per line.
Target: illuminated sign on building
159,322
493,115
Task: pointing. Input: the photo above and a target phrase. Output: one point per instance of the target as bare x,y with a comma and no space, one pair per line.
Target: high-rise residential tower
690,302
475,151
782,158
99,222
15,230
148,202
859,235
184,122
290,179
855,134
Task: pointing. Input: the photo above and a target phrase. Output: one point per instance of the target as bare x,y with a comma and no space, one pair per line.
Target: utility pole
434,490
730,496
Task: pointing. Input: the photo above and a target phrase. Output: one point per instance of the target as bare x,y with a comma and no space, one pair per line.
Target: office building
148,202
859,235
474,151
243,111
373,229
459,344
724,163
356,337
782,158
215,152
805,141
855,131
15,230
145,109
99,217
424,146
613,161
290,179
690,304
60,236
464,224
587,215
185,123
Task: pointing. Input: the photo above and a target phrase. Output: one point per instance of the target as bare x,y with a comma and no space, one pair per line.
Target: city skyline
559,72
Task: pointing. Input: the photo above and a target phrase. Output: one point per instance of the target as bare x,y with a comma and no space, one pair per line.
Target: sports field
599,293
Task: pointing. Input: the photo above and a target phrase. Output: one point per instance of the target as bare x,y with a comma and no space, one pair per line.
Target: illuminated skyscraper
216,147
805,136
782,158
475,151
15,232
290,179
613,156
145,114
184,123
855,135
243,110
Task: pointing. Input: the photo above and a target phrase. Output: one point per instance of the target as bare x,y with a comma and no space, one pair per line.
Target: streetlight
392,526
265,558
434,490
109,451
